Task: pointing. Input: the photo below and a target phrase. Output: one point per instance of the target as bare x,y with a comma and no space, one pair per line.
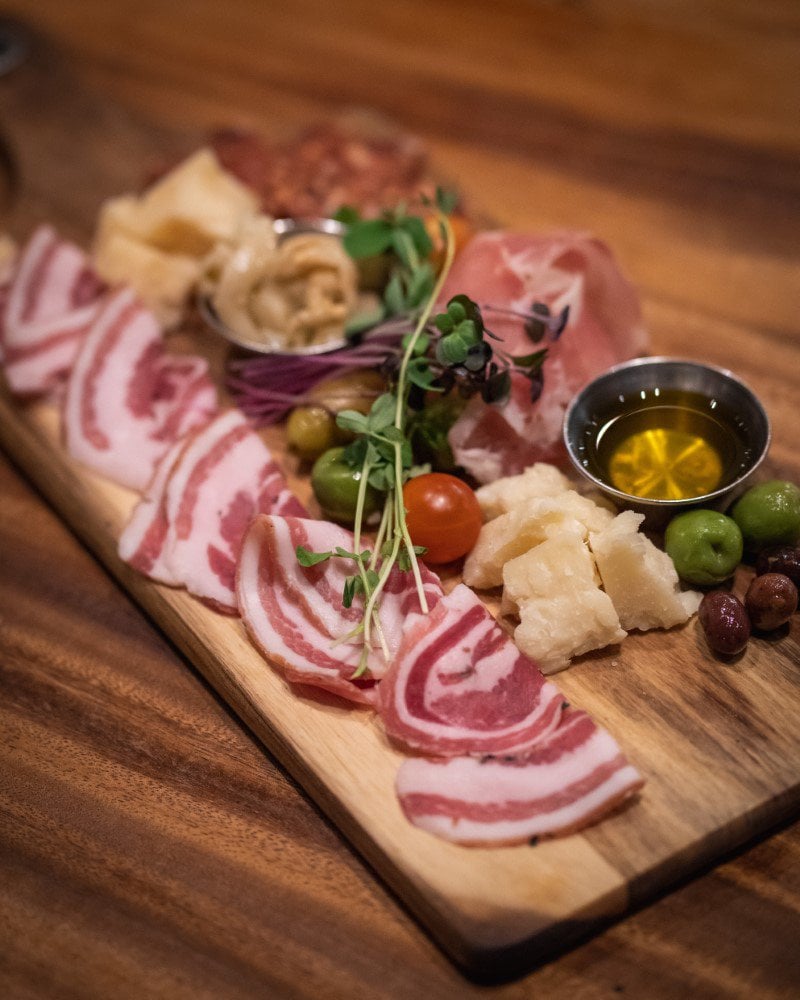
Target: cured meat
459,685
52,300
295,616
571,779
511,271
143,541
127,400
217,483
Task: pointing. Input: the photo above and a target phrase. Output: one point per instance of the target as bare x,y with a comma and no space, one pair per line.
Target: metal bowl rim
628,498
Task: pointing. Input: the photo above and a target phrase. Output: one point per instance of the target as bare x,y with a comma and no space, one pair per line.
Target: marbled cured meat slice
571,779
459,685
143,540
511,271
126,400
50,304
216,484
295,615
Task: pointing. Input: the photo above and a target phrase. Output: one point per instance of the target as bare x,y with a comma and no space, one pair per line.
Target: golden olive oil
667,444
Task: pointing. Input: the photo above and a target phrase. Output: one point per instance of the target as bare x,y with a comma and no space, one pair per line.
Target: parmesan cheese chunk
194,206
503,495
157,243
162,281
530,524
639,578
562,610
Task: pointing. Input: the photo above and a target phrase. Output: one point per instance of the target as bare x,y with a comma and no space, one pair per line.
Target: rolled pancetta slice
459,685
212,489
571,779
295,615
127,400
52,299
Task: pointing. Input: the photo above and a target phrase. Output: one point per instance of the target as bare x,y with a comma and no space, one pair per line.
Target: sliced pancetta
459,685
571,779
217,483
52,299
142,543
511,271
127,400
295,614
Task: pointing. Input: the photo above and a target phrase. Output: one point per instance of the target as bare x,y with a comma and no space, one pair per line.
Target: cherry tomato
443,515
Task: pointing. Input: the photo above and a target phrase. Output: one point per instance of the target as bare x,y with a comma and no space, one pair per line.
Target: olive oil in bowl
671,445
663,433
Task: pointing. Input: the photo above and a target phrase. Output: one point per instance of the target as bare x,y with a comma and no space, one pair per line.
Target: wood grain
691,183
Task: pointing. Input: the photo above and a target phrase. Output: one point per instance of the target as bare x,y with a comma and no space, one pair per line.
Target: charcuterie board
716,741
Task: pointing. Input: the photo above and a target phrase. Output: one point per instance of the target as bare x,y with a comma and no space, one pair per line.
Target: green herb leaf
446,201
352,420
534,360
347,215
308,558
451,350
368,238
381,415
394,296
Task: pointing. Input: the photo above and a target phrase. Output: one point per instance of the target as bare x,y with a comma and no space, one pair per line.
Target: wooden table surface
150,847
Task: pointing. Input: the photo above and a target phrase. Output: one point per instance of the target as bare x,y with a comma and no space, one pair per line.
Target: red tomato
443,515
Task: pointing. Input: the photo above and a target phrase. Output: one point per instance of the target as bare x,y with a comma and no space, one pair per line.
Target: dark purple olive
771,600
783,559
725,622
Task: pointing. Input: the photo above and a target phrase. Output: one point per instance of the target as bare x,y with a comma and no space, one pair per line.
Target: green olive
769,514
311,430
335,485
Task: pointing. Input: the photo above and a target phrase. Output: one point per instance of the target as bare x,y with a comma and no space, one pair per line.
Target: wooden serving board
717,741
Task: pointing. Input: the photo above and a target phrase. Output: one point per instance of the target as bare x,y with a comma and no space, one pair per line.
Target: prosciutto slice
459,685
189,527
127,400
571,779
511,271
52,299
295,616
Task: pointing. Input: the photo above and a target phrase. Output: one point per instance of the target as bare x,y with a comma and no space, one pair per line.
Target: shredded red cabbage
266,388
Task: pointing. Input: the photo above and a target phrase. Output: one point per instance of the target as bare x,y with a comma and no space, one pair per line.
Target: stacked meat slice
295,614
506,760
51,300
573,777
188,528
128,400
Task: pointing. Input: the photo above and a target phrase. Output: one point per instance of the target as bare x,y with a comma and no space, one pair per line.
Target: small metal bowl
284,229
593,404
